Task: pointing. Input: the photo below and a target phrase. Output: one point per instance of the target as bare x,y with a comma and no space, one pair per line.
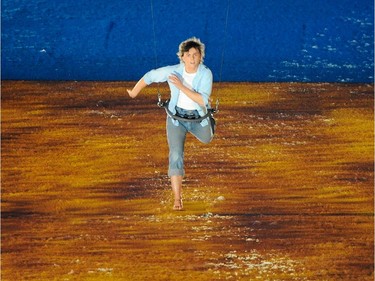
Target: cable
154,33
225,41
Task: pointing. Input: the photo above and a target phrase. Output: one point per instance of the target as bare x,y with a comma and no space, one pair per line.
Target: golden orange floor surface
284,192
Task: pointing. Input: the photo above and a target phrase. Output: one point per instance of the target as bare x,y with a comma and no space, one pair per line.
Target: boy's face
192,59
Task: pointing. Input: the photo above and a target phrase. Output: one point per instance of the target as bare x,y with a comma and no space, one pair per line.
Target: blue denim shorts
176,135
185,113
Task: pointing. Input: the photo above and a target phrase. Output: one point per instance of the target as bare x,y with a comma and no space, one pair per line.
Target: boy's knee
206,139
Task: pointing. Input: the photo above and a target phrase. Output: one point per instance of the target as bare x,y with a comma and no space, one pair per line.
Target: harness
210,111
210,114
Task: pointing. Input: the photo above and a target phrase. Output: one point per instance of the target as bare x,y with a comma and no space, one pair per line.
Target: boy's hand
131,94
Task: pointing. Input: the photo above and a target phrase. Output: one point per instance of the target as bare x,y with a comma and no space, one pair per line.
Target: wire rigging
225,40
154,32
222,53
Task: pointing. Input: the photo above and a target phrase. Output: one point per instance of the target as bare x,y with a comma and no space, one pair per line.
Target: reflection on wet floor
284,192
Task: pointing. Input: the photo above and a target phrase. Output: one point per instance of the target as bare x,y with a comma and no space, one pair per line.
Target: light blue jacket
202,84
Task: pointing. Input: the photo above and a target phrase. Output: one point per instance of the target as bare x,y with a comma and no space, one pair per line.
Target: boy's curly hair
192,42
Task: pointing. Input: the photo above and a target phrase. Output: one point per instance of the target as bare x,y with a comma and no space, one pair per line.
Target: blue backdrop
266,40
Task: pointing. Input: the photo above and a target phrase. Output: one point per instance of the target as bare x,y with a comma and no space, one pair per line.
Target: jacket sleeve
205,88
158,75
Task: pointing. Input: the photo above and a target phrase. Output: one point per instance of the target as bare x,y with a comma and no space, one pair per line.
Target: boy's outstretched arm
137,88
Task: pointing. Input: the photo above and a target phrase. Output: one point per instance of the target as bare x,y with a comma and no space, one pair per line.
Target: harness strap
160,103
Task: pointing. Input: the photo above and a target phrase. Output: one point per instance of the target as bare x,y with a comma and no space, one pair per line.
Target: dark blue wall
267,40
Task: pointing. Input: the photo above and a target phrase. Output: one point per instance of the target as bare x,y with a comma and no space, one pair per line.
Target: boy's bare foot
178,206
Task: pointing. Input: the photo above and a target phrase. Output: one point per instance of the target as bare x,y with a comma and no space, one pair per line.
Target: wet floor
284,192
